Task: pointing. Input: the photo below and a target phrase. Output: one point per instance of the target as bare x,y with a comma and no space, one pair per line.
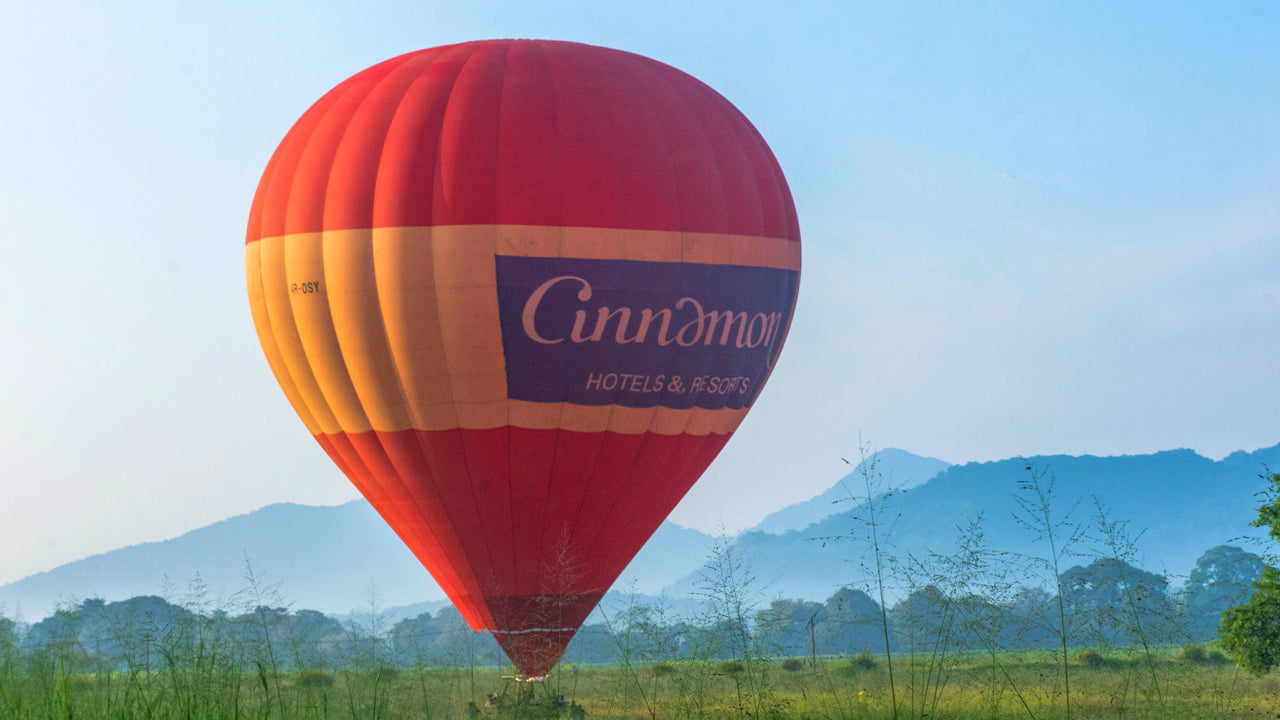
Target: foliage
850,623
315,679
977,615
1091,659
1251,632
791,625
731,594
1193,654
863,661
1222,578
1102,596
1199,655
1269,511
662,669
1038,512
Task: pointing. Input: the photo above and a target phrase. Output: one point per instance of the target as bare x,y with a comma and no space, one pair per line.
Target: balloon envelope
522,293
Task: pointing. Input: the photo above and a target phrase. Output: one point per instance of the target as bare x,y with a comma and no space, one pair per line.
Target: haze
1027,229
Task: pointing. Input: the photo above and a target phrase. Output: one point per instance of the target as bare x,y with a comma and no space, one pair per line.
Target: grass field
1008,685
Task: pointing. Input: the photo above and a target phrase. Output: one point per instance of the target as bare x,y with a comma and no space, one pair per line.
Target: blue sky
1028,228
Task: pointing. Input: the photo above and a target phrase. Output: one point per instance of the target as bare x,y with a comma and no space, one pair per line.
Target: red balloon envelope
522,292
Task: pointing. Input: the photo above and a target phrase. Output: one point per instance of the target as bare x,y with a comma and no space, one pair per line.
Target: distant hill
329,558
320,558
1176,504
899,468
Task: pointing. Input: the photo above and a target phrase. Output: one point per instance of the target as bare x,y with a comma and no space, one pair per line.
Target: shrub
1197,655
792,665
863,661
732,667
1091,659
315,679
1193,654
1251,632
662,669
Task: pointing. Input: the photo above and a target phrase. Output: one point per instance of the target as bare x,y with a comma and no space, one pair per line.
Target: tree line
1104,601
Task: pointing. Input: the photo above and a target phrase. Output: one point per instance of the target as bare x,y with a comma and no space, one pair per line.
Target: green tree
1108,597
1269,513
851,624
923,619
1223,577
8,642
790,625
1251,632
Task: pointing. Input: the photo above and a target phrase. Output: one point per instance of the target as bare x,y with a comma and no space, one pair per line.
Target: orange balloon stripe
397,328
259,306
275,323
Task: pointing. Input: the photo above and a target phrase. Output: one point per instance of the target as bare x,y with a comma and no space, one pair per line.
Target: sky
1028,228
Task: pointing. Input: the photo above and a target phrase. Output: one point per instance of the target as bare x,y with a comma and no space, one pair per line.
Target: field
1007,685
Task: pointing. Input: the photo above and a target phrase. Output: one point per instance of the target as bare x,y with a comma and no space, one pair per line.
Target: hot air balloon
522,292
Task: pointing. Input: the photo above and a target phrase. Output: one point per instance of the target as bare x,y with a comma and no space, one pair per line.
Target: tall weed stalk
1037,511
868,512
1119,547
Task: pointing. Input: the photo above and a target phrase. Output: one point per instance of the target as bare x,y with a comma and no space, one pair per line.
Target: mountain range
342,559
899,469
335,559
1165,509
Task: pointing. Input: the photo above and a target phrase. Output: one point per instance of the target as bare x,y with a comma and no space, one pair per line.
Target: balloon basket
525,678
526,690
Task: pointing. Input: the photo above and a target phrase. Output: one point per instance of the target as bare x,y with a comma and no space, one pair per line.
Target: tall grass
1040,513
869,530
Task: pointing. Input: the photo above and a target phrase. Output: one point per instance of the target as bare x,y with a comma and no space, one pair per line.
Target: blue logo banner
640,334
